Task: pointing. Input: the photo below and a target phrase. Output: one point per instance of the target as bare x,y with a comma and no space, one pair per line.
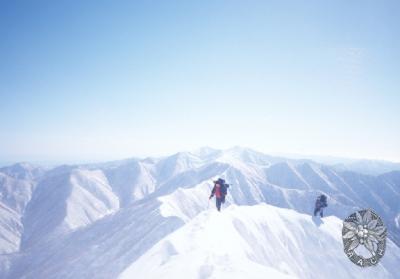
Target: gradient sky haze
103,80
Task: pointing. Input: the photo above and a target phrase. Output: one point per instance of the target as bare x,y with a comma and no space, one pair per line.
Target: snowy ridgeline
150,218
257,241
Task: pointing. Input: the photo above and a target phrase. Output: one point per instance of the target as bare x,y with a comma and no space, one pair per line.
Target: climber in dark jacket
320,204
219,190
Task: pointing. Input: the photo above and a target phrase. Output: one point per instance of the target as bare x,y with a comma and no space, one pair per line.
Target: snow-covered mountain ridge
259,241
100,220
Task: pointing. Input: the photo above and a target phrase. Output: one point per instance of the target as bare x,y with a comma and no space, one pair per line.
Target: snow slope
101,250
258,241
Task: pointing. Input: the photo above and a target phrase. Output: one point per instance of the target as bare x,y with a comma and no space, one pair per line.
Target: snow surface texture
151,218
258,241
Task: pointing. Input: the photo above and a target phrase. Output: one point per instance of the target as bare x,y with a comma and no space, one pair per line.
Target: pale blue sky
100,80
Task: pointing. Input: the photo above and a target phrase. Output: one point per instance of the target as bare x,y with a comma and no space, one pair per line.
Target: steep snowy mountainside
131,181
102,250
17,183
258,241
64,200
10,230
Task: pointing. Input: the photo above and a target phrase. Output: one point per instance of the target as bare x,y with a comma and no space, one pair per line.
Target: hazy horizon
314,157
